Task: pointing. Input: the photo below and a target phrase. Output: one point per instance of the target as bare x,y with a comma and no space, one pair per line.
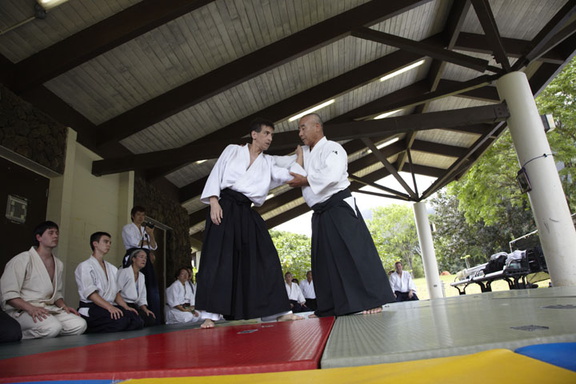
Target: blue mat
559,354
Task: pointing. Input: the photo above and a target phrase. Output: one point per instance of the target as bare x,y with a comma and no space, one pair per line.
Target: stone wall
31,133
162,207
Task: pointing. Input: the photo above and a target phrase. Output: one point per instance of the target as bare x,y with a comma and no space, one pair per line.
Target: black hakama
240,275
348,273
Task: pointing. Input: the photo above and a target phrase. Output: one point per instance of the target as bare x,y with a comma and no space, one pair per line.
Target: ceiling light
402,70
200,161
385,144
314,109
386,114
40,9
49,4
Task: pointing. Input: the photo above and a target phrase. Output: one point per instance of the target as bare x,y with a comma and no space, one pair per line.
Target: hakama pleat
348,273
240,275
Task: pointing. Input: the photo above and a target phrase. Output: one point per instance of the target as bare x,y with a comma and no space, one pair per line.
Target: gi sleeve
86,281
13,278
214,181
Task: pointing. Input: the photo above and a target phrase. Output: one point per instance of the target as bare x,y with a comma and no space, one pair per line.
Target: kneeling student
31,289
100,301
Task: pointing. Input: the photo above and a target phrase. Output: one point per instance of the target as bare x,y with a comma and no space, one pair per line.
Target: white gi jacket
233,170
26,277
132,291
402,283
131,237
294,292
308,289
326,168
90,278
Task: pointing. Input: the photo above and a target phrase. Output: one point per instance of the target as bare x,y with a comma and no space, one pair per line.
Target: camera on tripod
148,224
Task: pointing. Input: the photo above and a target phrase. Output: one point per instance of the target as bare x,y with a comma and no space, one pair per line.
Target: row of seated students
31,285
111,299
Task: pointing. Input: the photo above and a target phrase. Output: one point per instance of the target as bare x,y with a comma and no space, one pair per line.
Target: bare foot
207,324
289,317
372,311
312,316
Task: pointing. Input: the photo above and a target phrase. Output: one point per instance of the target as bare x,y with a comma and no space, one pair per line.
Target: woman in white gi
240,275
101,304
31,289
180,300
140,234
133,288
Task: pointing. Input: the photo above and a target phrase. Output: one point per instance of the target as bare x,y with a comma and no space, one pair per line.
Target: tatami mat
453,326
262,347
495,366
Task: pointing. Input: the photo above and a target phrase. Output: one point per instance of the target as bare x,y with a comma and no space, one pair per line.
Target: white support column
551,212
428,253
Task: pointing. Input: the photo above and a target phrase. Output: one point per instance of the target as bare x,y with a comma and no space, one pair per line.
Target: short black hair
135,210
41,228
182,268
95,237
257,124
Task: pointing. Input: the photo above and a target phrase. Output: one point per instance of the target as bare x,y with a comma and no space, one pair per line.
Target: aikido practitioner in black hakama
348,274
240,276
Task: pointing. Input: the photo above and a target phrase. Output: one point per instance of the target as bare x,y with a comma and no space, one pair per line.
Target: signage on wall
16,209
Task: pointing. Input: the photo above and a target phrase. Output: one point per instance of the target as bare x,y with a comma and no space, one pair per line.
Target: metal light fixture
40,9
49,4
314,109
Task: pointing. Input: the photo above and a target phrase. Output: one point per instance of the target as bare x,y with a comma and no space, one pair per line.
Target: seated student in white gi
402,284
100,301
307,287
31,289
132,285
180,300
295,295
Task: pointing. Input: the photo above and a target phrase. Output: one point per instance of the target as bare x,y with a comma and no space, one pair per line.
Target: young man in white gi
307,287
101,303
297,300
348,274
31,288
402,284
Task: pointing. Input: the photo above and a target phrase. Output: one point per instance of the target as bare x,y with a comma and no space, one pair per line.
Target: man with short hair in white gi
31,289
101,303
348,274
307,287
402,284
240,276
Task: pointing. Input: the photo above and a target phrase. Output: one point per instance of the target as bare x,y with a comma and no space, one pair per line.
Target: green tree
455,237
394,233
294,252
558,99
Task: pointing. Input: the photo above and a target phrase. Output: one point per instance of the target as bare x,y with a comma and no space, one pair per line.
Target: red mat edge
313,363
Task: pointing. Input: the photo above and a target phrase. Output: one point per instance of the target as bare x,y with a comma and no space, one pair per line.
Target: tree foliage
294,252
394,233
456,239
482,212
558,99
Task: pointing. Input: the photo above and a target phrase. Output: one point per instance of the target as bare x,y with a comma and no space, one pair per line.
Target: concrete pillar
551,212
428,253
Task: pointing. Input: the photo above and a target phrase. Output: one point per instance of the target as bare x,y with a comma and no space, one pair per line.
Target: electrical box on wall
16,209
